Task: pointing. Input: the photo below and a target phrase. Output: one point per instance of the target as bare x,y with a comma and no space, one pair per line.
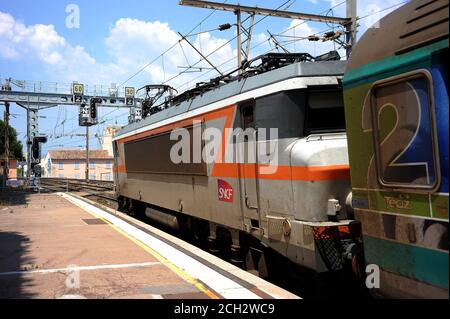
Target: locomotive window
325,111
283,111
248,116
151,155
404,132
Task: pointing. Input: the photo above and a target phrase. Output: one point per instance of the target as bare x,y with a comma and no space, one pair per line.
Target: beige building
108,135
72,164
12,167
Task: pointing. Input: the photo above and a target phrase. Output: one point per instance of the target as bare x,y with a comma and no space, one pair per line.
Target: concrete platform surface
61,246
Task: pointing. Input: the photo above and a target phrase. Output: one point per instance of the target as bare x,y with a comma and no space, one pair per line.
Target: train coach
396,100
285,194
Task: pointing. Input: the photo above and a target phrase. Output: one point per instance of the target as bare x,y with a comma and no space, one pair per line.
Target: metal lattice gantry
36,96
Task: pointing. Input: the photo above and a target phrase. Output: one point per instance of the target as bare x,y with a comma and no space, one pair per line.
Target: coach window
404,131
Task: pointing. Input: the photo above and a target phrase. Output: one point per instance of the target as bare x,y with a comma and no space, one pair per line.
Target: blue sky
116,38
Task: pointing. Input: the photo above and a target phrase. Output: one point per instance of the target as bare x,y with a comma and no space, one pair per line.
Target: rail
68,185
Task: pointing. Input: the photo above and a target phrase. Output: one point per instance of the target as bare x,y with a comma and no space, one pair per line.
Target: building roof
78,154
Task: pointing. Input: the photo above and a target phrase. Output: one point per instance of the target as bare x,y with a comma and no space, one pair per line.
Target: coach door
246,151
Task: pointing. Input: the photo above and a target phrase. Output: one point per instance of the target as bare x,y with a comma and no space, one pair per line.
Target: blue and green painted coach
396,105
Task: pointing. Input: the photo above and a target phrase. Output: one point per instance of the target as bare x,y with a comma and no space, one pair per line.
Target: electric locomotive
262,194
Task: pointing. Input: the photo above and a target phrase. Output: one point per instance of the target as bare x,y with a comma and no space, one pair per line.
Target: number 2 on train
400,114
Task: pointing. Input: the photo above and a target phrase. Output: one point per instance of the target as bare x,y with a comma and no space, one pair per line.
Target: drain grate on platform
94,221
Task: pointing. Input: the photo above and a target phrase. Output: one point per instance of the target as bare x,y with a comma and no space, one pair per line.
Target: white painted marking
72,297
226,287
71,269
157,297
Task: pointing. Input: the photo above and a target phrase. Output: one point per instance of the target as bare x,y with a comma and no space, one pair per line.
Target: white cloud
131,44
365,8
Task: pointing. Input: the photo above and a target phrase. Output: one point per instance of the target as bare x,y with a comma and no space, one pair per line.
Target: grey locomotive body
296,207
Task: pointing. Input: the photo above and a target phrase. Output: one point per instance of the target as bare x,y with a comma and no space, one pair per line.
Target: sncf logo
225,191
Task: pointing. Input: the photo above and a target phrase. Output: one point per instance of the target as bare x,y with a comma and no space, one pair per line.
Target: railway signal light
93,109
88,114
36,146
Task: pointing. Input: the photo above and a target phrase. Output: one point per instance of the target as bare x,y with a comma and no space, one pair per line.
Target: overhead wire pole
6,123
218,48
351,27
347,22
87,154
286,30
249,37
239,40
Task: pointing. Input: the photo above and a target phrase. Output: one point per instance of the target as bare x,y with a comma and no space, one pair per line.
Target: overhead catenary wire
224,44
260,43
382,10
285,31
234,57
169,49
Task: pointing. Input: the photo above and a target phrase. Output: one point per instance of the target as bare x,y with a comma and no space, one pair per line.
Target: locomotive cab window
402,111
283,111
324,111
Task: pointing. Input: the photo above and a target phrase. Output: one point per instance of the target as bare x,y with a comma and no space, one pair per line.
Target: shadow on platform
13,260
13,197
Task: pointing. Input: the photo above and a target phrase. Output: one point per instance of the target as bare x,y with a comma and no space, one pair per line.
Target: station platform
62,246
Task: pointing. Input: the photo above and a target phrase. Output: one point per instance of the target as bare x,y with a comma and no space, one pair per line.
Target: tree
15,146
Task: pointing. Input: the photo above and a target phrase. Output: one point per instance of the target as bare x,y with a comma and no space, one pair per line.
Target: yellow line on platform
180,272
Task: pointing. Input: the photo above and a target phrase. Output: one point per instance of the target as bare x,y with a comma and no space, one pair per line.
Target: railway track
76,184
101,191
